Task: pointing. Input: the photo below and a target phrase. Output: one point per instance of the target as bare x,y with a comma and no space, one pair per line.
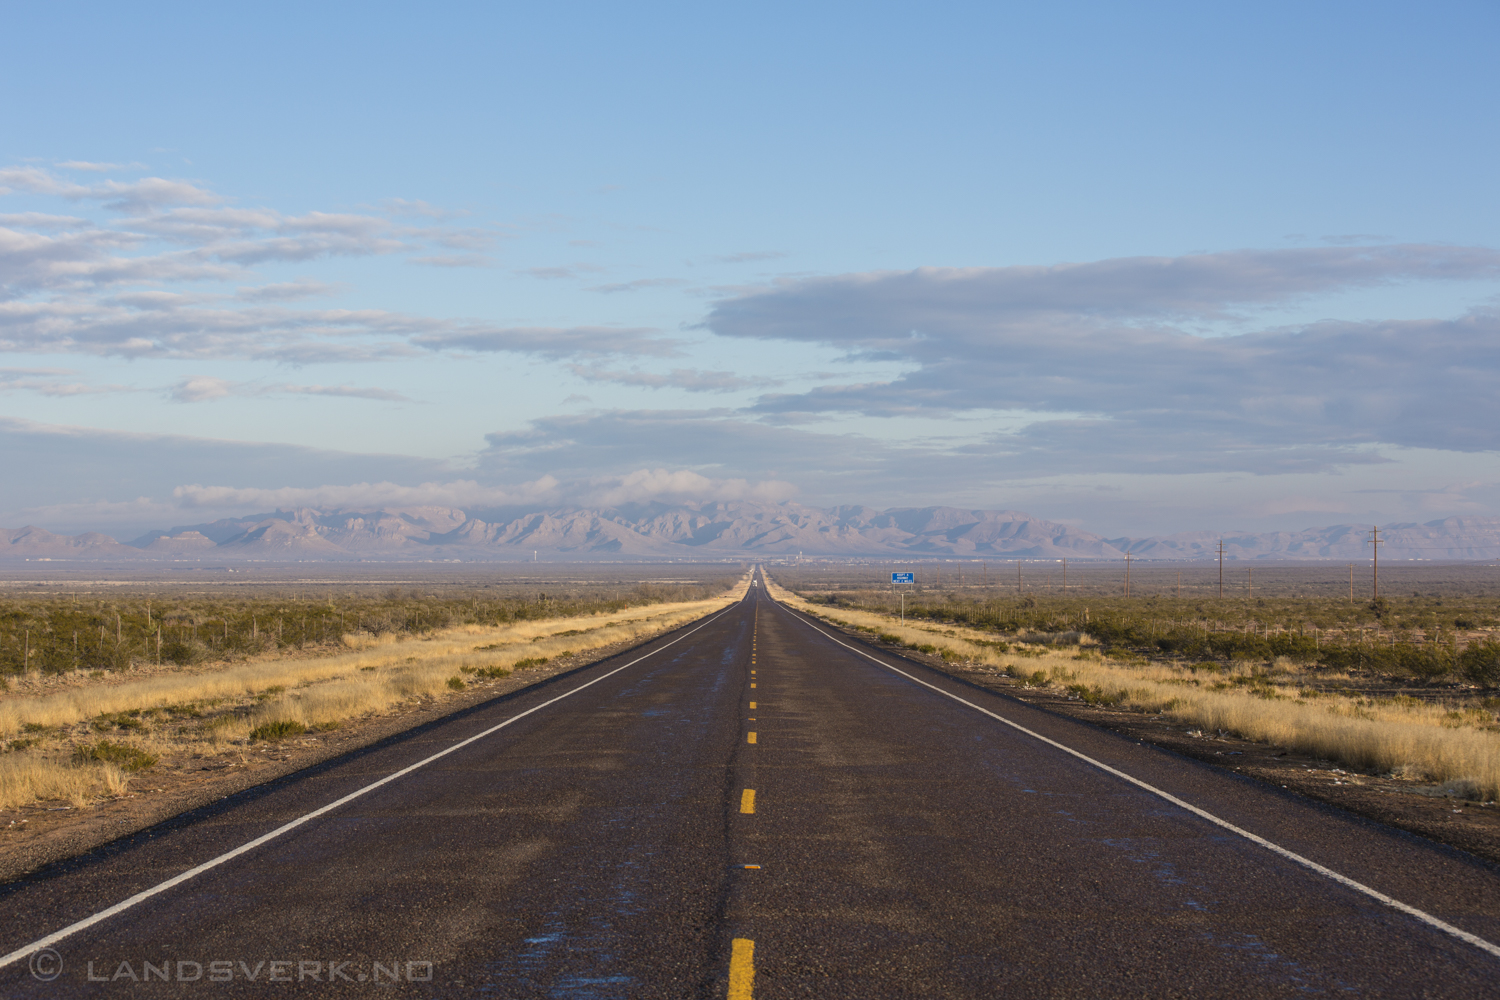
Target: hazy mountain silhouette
724,530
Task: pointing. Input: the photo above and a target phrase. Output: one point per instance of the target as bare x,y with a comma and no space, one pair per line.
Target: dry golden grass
28,778
1263,702
211,709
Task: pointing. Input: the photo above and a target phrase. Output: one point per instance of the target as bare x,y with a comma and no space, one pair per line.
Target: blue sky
1145,268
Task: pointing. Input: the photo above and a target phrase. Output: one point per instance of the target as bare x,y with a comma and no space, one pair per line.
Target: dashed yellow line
752,736
741,969
747,801
752,706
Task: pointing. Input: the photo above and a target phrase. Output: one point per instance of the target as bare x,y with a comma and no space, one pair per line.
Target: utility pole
1221,567
1065,576
1351,583
1019,585
1127,573
1375,551
1249,581
1179,585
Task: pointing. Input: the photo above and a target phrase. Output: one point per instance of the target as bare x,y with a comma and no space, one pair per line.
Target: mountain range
711,531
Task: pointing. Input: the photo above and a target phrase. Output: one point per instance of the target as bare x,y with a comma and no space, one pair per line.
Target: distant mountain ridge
722,530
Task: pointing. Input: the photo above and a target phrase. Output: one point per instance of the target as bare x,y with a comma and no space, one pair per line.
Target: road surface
752,806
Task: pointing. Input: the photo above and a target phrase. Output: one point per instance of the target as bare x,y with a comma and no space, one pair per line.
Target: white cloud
98,168
202,388
69,285
691,379
209,236
418,208
43,220
205,388
347,391
453,260
288,291
637,285
11,373
550,341
49,382
560,272
1113,341
455,493
747,256
671,485
680,486
145,194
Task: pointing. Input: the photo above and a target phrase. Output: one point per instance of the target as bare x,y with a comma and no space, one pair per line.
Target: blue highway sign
903,578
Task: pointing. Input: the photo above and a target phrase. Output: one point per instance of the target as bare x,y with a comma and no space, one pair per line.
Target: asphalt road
898,843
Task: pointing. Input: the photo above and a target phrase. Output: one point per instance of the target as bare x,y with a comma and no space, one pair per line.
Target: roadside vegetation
57,634
1343,684
79,735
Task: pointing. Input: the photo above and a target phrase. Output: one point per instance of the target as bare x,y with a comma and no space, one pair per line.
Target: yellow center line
752,684
752,737
752,706
747,801
741,969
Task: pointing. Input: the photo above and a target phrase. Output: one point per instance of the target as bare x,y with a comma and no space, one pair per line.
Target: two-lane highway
753,806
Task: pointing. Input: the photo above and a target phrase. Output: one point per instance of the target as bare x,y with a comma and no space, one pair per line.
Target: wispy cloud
287,291
453,260
556,342
455,493
205,388
43,220
748,256
551,273
419,209
166,325
638,284
55,382
174,230
691,379
98,168
1114,343
671,485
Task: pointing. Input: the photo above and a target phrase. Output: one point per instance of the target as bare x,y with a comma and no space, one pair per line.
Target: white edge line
146,894
1343,880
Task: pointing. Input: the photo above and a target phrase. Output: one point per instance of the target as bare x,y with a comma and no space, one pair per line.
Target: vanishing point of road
755,806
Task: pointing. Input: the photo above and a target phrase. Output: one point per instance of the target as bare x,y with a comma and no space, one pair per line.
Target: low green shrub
280,729
122,755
